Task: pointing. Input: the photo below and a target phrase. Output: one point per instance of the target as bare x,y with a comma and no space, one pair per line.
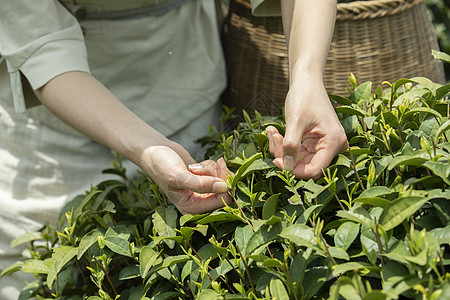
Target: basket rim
360,9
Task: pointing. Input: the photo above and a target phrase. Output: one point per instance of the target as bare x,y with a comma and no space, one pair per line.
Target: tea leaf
278,290
444,127
34,266
165,219
243,168
147,259
406,160
346,234
341,269
348,110
25,238
61,256
358,214
300,234
118,245
262,237
338,253
423,110
217,216
441,55
88,240
11,268
270,206
129,272
400,209
375,201
442,234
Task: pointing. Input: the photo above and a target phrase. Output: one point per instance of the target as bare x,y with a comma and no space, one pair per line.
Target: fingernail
219,187
195,167
288,163
269,136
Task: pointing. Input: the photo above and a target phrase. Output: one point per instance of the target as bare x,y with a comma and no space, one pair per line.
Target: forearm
308,26
81,101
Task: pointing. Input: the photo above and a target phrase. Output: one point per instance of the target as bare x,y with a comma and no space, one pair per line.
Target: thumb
292,142
200,184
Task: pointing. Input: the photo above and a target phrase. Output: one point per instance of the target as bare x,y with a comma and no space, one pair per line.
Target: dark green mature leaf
346,234
399,210
88,240
406,160
270,206
348,110
300,234
359,215
262,237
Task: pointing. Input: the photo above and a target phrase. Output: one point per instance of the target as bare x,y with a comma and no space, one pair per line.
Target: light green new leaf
61,256
165,220
208,295
34,266
346,234
12,268
426,83
25,238
341,269
399,210
278,290
441,55
147,259
375,191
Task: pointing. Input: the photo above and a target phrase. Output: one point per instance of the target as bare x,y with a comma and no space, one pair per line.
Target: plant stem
107,276
380,246
289,278
246,269
352,163
237,272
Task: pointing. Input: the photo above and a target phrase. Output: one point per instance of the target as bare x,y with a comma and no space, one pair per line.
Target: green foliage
376,226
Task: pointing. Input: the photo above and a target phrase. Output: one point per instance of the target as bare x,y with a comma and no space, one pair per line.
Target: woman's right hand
192,188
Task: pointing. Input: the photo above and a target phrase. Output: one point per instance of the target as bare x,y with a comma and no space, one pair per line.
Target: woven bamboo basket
376,40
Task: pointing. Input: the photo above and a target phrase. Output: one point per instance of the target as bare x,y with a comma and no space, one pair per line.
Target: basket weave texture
375,40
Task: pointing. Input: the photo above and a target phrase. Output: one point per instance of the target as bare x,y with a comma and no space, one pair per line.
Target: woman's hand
197,188
313,136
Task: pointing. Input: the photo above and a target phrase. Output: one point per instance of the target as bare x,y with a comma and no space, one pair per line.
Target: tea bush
376,226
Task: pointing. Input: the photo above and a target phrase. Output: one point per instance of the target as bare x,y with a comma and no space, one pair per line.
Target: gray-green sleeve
265,8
